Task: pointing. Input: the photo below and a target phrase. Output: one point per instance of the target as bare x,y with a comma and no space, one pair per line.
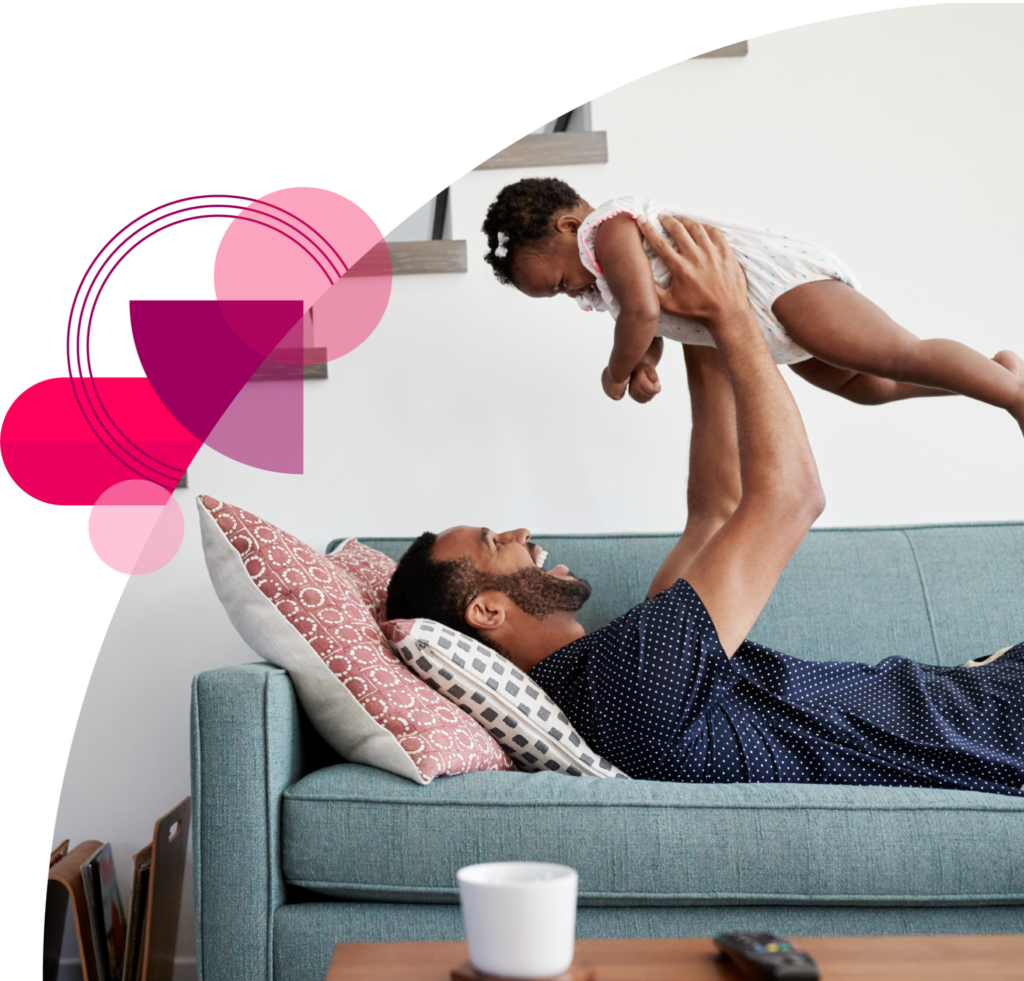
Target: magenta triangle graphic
208,362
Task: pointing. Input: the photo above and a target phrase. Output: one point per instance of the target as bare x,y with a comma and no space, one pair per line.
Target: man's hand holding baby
707,279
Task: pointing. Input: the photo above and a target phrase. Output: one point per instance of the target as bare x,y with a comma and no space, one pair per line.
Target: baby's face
554,270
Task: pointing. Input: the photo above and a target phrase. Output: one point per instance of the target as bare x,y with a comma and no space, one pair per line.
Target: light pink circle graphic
136,527
312,245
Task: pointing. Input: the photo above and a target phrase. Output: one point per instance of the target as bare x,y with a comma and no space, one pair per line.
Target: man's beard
539,594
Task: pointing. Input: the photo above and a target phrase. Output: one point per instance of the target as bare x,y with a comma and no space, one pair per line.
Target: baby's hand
613,389
644,383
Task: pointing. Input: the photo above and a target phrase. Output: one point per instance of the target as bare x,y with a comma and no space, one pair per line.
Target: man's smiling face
510,563
497,553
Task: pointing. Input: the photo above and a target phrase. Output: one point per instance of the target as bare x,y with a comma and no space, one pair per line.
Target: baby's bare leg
844,328
859,387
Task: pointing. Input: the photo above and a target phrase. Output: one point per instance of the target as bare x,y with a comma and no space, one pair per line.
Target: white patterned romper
773,264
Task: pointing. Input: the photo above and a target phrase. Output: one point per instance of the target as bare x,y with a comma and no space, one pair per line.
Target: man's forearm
713,485
736,570
775,455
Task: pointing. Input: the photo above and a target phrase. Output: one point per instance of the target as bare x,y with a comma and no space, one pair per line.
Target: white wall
892,138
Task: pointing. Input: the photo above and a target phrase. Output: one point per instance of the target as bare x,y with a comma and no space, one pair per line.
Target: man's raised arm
735,572
713,483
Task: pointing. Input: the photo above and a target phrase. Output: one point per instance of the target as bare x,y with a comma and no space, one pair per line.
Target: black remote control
767,955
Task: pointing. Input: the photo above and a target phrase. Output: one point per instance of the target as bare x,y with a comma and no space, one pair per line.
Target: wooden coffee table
998,957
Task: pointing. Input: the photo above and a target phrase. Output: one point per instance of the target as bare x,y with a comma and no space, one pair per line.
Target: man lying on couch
672,690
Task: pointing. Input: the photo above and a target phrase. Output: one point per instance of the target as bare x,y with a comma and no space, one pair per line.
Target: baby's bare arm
625,265
652,355
644,383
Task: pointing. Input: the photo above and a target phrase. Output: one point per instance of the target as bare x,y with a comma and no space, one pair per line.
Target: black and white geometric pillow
512,707
986,659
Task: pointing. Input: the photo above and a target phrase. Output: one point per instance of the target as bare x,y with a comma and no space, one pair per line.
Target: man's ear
486,611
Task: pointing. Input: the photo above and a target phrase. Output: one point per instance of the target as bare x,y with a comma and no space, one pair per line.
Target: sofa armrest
247,747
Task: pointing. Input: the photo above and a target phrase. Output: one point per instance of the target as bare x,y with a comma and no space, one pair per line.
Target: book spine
90,880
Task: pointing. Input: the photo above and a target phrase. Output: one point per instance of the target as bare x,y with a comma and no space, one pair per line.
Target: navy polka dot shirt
655,694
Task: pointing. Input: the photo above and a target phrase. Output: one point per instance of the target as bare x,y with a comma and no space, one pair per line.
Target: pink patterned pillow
369,569
316,617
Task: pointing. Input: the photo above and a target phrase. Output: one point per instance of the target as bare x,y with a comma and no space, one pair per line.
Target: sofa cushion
637,842
939,594
304,612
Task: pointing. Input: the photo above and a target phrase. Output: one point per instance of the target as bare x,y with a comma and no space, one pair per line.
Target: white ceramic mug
520,917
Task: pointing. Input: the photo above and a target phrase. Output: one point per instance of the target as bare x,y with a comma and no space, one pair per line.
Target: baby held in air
545,240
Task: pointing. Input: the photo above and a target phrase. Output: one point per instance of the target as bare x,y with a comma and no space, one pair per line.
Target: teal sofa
296,850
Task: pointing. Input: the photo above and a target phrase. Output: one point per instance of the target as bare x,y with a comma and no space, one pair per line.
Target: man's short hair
439,591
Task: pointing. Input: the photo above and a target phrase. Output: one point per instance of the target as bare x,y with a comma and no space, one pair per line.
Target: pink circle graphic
312,245
136,527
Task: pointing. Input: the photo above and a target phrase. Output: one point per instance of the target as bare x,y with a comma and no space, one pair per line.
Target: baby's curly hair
524,212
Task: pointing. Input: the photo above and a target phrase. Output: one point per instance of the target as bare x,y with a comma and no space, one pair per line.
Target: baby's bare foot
1014,363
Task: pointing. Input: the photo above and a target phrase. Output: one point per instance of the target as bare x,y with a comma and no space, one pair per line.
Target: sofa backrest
940,594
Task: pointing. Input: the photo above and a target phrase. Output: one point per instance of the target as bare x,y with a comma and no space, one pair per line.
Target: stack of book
113,947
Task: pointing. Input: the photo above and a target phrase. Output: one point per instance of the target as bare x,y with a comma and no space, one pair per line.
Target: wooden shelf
586,147
737,50
409,258
551,150
435,256
314,371
272,370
